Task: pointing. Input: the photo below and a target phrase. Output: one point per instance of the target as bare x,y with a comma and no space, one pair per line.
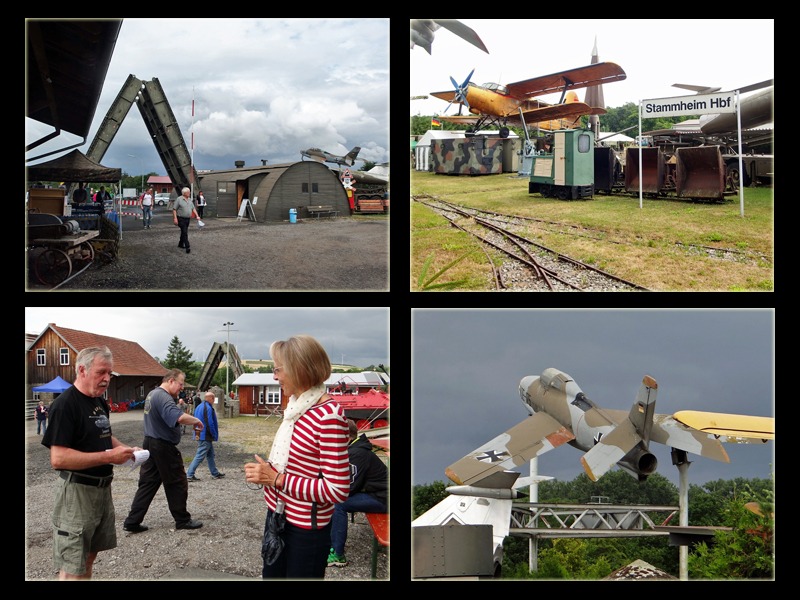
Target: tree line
744,552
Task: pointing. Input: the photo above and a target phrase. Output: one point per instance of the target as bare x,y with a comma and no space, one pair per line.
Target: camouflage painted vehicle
476,155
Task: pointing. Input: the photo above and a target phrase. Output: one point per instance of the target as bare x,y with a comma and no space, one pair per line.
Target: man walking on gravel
206,438
162,434
182,211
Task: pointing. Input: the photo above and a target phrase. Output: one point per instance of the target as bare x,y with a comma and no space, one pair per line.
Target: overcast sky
467,365
355,336
653,53
263,89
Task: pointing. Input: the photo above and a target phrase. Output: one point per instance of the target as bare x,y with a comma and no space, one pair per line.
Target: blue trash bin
292,215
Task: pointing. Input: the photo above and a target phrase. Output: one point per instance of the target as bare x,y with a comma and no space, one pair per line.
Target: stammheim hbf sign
683,106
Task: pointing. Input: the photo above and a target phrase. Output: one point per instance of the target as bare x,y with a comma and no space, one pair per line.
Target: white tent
423,149
617,138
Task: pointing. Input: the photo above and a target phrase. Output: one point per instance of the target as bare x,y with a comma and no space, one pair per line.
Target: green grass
654,246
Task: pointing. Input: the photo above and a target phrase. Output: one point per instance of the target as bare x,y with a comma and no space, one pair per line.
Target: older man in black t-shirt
84,450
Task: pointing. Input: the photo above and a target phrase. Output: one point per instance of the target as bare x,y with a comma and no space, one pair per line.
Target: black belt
87,479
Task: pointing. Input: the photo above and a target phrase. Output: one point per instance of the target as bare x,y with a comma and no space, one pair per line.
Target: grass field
662,246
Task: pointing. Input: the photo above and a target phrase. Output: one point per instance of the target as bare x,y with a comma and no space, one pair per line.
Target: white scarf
295,408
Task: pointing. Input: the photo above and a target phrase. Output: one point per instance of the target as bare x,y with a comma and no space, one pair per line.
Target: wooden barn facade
273,190
54,352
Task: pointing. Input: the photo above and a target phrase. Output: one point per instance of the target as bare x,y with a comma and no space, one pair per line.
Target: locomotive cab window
584,142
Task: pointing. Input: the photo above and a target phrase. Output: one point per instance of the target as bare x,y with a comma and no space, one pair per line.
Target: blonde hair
304,360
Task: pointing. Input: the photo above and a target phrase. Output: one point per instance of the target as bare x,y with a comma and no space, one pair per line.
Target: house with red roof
54,351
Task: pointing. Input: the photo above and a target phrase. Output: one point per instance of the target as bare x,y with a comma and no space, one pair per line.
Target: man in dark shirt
369,483
162,433
83,449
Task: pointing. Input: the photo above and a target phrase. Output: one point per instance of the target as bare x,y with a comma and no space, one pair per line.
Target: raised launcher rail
218,350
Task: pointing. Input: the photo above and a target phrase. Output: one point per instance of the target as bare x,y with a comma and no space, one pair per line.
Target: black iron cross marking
493,456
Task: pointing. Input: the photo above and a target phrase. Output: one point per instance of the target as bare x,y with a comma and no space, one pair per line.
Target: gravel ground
340,254
227,546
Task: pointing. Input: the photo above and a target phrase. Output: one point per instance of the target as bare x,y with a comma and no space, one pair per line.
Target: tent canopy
73,167
56,386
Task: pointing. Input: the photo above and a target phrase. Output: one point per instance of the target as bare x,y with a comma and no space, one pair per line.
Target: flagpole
191,166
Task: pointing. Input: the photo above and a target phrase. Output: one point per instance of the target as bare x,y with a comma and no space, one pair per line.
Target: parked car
162,199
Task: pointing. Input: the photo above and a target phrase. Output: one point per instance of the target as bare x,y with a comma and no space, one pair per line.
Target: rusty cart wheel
52,266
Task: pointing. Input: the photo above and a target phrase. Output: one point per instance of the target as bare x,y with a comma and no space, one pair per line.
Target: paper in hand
139,456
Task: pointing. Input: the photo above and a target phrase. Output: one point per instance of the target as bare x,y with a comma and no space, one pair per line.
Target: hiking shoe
218,476
336,560
193,478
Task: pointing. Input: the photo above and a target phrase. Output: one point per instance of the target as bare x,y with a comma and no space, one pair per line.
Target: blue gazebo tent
56,386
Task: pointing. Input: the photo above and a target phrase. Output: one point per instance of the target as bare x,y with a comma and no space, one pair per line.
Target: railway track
527,265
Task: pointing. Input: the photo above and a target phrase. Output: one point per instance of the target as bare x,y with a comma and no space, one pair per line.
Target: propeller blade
460,92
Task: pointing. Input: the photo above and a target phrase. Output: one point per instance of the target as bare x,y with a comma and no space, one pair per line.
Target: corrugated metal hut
277,189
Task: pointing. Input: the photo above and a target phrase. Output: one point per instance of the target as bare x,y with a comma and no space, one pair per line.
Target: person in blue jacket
206,438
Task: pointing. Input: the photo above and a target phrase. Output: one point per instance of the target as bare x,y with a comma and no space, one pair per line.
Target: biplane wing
596,74
571,110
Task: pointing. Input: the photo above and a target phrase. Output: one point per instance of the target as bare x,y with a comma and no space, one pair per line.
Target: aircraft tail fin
351,156
644,408
628,442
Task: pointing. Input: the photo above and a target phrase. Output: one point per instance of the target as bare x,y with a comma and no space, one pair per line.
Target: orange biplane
515,103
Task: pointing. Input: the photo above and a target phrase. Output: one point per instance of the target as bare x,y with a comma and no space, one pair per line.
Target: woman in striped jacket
308,467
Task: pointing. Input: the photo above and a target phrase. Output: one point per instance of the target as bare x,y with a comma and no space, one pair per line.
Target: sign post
684,106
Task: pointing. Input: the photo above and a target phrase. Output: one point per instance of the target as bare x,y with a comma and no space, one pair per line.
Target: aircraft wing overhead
488,466
464,32
596,74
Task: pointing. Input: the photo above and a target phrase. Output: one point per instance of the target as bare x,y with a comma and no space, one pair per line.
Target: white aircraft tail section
472,510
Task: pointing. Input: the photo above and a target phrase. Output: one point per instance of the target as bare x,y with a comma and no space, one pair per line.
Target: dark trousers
165,465
304,556
200,211
183,223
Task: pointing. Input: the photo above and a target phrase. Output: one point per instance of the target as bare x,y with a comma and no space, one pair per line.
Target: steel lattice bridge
589,520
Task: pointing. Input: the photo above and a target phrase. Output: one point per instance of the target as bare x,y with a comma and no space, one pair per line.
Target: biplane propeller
460,93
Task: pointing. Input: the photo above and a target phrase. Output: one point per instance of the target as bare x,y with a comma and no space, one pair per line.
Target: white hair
185,190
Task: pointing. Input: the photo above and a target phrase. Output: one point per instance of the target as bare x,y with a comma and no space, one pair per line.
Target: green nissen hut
273,190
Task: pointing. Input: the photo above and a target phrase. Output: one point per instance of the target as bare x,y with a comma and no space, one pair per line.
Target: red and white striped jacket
318,469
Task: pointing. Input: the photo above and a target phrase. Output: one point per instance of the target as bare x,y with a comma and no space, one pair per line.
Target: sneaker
218,476
193,478
336,560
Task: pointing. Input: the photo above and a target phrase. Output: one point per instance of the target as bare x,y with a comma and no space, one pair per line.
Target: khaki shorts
83,522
